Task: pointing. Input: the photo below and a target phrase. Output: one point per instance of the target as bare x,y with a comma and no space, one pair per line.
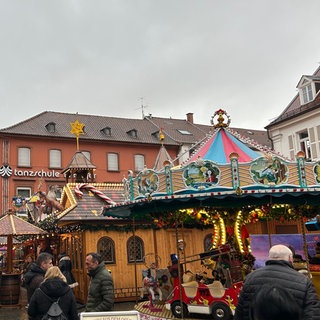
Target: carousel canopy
222,172
220,145
224,141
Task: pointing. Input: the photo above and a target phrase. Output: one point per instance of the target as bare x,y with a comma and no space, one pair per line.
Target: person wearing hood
53,288
278,270
65,267
35,274
101,288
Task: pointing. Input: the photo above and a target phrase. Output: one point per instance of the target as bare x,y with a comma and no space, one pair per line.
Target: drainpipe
268,133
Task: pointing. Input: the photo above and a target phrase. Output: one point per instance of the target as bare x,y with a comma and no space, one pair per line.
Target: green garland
205,218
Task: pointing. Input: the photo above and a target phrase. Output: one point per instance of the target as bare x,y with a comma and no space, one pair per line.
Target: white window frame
113,161
24,157
54,158
139,162
305,145
307,93
27,189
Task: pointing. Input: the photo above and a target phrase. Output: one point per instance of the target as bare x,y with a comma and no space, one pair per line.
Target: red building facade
35,152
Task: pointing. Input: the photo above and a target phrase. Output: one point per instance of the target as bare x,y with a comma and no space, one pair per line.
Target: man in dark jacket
36,272
101,291
279,270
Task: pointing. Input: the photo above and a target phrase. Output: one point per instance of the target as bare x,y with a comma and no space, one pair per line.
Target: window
135,249
87,154
207,242
54,158
106,131
19,202
24,157
305,144
24,192
291,147
106,249
184,132
113,162
307,95
51,127
138,162
133,133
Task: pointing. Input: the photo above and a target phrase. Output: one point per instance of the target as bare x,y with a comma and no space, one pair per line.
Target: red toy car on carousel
216,296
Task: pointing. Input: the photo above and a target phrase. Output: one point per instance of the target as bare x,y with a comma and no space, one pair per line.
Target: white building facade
298,126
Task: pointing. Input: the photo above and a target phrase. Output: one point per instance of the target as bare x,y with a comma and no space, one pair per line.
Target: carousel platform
154,311
158,311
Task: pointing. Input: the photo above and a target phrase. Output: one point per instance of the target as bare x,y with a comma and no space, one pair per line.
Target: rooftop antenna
142,107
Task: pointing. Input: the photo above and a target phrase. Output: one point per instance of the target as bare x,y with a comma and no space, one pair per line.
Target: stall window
135,249
106,249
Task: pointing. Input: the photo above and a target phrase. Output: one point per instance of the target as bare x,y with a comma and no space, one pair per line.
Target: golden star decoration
77,128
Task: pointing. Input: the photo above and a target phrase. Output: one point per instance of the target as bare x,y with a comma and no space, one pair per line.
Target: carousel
228,182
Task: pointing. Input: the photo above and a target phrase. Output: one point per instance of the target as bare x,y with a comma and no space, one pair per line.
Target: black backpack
54,312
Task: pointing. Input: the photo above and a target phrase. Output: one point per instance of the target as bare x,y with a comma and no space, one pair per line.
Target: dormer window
106,131
51,127
307,95
309,87
133,133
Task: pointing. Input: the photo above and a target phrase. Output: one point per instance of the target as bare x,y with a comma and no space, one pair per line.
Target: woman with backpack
54,289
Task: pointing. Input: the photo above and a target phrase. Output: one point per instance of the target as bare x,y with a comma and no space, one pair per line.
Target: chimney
190,117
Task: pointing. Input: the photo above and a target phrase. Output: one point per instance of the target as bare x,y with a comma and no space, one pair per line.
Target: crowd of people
46,283
276,291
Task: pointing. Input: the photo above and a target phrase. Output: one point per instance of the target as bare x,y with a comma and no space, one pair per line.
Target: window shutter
55,158
138,162
24,157
113,163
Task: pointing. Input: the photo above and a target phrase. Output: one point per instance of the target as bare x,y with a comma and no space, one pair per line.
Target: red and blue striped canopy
219,146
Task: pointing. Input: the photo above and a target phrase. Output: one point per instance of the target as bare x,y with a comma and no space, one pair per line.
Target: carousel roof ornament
223,141
221,116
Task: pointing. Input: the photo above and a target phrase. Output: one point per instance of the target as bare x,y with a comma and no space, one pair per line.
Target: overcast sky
107,57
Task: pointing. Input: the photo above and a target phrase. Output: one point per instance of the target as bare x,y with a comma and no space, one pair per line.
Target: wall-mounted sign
116,315
5,171
39,173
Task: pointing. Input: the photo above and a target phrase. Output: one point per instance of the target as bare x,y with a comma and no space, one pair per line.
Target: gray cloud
100,57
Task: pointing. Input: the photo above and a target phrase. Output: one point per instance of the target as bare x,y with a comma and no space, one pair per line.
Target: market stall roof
12,225
162,158
85,201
